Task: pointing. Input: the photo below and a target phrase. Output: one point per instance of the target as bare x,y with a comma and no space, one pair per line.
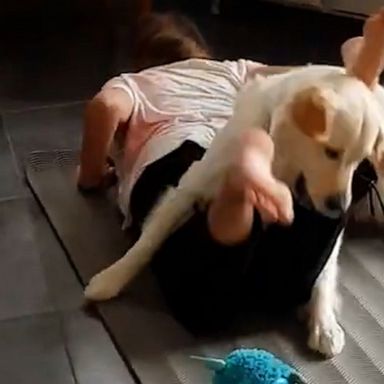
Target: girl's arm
108,110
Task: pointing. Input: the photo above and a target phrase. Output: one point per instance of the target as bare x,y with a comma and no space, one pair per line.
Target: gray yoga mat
154,346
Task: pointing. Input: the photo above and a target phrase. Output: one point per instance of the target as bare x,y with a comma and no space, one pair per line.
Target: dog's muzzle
334,205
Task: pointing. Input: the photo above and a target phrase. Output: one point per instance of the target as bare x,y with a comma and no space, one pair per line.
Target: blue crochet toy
251,366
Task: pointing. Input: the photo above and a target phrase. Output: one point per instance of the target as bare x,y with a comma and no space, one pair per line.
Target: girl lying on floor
155,123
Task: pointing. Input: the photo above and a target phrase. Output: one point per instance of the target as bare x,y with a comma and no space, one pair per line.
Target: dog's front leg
325,334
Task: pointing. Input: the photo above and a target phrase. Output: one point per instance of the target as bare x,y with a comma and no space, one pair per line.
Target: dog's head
329,129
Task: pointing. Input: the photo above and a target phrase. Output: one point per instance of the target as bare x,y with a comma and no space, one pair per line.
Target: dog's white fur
325,334
353,118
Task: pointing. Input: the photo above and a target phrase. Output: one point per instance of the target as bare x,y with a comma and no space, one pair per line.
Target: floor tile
63,285
45,129
23,287
10,184
94,357
32,350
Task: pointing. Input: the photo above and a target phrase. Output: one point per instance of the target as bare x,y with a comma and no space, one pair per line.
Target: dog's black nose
335,203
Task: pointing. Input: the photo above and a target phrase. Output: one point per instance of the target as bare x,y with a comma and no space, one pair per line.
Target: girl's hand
91,183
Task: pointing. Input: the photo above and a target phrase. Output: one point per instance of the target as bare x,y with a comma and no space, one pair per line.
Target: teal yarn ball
255,366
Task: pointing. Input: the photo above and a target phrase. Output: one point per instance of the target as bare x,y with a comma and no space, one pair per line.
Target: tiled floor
45,335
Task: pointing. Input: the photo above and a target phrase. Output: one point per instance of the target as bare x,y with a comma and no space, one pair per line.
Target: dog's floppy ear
313,110
378,153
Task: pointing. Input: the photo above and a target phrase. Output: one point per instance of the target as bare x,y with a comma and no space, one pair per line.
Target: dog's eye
332,154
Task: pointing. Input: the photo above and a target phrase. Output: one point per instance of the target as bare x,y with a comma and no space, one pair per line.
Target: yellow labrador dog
323,123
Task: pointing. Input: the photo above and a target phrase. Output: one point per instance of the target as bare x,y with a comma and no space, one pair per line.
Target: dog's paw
105,285
326,336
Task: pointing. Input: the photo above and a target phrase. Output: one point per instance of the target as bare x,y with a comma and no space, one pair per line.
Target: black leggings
206,284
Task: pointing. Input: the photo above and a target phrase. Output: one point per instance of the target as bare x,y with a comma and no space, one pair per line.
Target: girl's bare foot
249,185
252,173
364,57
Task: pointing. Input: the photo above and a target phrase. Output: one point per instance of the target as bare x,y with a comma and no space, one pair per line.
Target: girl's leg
364,56
249,184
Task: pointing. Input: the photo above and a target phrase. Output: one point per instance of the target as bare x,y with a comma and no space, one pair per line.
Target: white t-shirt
188,100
